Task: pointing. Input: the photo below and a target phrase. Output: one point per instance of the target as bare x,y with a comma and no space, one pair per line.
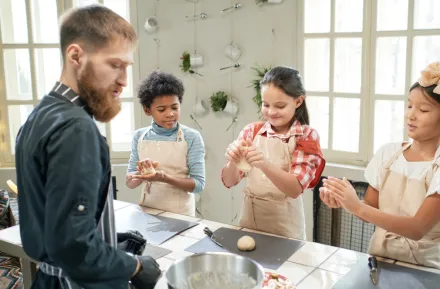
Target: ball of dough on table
246,243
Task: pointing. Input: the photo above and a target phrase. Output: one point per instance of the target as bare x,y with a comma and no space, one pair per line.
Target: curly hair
158,84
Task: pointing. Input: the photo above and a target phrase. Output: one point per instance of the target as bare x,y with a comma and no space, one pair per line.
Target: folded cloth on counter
132,241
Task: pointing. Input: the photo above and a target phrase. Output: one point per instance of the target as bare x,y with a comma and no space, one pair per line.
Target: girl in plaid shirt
280,158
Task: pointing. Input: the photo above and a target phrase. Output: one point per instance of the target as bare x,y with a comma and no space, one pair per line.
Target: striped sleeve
134,156
196,158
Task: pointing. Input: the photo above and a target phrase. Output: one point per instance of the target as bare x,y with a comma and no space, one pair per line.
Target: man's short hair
93,26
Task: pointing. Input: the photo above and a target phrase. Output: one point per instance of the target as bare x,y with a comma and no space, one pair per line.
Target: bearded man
63,163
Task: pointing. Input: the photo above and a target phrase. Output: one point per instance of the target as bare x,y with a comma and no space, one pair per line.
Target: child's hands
234,152
253,156
343,192
327,199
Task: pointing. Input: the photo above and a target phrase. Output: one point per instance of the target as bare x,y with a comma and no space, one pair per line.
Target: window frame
7,159
367,94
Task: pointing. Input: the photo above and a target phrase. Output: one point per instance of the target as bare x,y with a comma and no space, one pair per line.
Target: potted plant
190,60
186,61
260,71
219,101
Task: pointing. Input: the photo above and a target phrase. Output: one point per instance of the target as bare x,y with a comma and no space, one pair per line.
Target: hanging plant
260,71
186,61
219,101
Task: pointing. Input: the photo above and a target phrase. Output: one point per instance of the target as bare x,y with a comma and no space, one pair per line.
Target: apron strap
141,138
428,174
396,156
180,134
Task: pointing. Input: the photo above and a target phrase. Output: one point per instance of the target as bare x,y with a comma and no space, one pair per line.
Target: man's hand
148,275
132,242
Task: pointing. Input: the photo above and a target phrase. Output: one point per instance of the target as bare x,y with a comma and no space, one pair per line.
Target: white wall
253,29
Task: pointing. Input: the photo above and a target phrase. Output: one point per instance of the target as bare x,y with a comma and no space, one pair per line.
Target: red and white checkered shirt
304,165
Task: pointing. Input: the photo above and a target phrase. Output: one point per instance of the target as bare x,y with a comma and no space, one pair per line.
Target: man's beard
101,102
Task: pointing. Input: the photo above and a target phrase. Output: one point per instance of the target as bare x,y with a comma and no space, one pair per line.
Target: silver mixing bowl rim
259,267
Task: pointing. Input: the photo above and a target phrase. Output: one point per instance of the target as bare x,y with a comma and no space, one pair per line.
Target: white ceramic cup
233,52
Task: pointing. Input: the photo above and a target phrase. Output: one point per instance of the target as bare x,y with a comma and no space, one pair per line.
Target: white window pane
318,107
426,14
348,65
119,6
388,122
122,128
392,15
78,3
45,21
426,49
101,127
13,21
390,65
18,74
317,9
317,64
346,115
128,91
48,69
349,15
17,115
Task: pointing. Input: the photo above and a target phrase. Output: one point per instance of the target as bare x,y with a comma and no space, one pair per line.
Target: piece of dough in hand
246,243
243,165
146,171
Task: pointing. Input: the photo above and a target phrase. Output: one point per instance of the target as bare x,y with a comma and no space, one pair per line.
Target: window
30,63
359,62
119,131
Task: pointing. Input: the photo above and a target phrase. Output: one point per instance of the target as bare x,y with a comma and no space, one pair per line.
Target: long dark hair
429,90
289,80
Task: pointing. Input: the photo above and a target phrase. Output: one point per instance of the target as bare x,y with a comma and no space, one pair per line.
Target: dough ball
148,171
246,243
244,166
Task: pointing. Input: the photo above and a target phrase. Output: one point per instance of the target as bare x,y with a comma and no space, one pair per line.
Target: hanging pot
233,52
231,107
151,24
201,108
196,60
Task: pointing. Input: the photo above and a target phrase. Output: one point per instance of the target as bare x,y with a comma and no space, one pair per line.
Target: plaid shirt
304,165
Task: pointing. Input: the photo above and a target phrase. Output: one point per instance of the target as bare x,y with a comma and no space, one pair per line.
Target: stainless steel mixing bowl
228,263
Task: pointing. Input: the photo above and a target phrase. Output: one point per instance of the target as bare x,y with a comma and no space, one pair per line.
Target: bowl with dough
215,270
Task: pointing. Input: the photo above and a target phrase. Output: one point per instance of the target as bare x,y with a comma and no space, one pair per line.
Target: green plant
219,101
186,62
260,71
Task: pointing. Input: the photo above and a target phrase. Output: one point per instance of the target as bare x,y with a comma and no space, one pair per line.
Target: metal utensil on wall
194,72
236,65
232,123
195,120
235,6
201,16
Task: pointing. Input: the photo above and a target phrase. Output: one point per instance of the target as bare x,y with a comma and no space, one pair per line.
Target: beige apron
172,158
403,196
265,207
